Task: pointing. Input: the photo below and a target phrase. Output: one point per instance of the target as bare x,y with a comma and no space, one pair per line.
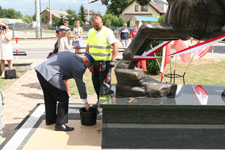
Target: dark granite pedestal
188,121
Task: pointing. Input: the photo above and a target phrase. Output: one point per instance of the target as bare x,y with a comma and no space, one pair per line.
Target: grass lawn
204,72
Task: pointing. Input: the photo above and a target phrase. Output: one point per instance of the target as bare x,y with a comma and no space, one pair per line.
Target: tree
72,16
10,13
162,19
115,6
58,21
34,17
27,19
81,15
112,20
153,66
44,18
1,12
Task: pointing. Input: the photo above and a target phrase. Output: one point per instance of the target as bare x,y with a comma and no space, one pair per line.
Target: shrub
153,67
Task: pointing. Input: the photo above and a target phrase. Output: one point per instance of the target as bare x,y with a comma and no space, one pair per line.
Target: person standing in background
6,52
66,23
56,46
77,37
64,42
124,35
100,40
134,32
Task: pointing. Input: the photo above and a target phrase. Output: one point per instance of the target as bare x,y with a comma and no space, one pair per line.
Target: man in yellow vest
100,41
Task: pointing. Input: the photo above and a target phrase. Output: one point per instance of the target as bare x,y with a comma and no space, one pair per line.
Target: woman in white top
77,37
64,42
6,52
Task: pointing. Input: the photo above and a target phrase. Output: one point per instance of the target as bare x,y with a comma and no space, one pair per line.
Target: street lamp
38,25
50,15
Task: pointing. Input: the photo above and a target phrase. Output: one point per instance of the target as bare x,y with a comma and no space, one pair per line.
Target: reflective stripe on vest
106,99
99,47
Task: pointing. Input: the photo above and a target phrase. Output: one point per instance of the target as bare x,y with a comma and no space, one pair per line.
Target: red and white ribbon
147,55
207,43
156,49
200,45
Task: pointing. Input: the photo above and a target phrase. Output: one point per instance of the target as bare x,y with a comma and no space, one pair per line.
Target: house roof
158,9
144,18
57,13
90,12
10,21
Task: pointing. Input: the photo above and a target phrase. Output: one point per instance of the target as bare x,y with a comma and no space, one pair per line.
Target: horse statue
199,19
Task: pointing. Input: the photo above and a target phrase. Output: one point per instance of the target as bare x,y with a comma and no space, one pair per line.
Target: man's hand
112,64
87,106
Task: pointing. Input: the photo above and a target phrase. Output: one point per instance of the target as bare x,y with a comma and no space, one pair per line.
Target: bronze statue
200,19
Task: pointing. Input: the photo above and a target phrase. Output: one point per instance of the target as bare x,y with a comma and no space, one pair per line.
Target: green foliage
58,21
121,21
161,19
34,17
108,23
13,14
81,15
27,19
115,6
112,20
153,66
44,18
72,17
10,13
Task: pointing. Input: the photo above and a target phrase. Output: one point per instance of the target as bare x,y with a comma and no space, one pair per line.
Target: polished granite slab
184,96
194,119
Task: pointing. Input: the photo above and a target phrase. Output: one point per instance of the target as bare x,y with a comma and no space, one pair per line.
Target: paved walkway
21,98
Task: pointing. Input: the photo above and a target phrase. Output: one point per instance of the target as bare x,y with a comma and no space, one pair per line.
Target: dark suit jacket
62,66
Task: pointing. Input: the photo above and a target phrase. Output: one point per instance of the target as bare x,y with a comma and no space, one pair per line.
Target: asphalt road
39,49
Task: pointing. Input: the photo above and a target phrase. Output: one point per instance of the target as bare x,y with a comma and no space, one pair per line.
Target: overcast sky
27,7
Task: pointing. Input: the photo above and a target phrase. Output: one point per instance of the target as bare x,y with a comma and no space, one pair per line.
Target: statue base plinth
183,122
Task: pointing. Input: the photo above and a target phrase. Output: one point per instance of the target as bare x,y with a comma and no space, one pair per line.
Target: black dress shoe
63,127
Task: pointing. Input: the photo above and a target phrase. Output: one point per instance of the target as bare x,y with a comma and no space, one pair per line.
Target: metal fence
31,27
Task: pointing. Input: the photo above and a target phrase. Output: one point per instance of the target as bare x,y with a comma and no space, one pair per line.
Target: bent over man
51,75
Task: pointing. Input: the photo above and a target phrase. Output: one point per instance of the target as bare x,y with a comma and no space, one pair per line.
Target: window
144,8
136,8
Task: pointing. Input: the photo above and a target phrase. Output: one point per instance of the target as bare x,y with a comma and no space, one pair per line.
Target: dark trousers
101,78
52,95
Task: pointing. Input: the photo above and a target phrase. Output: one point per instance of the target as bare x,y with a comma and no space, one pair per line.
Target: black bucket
88,118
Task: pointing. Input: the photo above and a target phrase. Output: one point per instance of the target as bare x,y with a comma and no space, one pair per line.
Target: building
134,9
10,21
55,13
138,20
163,4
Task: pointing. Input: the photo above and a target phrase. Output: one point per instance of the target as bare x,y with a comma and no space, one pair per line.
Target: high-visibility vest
99,48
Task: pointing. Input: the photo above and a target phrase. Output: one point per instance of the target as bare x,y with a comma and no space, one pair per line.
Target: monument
165,115
184,19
